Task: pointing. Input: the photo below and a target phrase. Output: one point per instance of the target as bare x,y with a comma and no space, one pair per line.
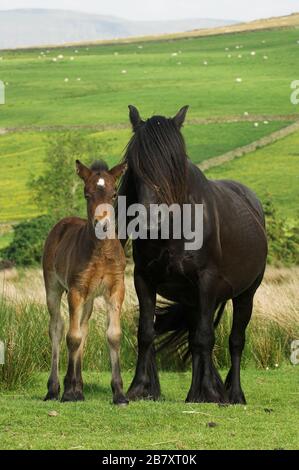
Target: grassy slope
37,93
21,155
25,424
272,170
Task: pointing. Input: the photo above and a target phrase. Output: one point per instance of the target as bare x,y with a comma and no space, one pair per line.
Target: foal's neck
96,244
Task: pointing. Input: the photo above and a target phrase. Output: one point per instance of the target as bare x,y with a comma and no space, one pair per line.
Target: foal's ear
82,170
118,170
180,116
134,117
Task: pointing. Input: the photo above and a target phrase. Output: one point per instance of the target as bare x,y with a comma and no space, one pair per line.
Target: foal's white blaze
101,182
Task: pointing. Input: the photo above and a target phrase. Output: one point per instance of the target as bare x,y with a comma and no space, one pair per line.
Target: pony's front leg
206,385
146,381
73,384
114,303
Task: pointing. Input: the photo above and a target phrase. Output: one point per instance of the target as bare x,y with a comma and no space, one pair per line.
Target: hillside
256,25
31,27
185,30
89,88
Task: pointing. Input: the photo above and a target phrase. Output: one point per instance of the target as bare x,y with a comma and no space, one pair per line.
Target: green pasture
219,76
22,154
268,421
156,76
271,171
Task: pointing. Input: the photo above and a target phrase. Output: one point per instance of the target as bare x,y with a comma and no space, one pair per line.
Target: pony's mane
99,165
157,154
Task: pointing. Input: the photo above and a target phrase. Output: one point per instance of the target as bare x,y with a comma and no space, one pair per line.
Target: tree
58,191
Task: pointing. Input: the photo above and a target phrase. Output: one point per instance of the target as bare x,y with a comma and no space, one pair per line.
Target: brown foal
76,261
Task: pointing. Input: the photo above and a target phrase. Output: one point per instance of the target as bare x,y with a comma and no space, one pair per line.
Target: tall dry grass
24,327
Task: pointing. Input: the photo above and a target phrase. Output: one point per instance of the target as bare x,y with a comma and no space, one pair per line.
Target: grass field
21,156
272,171
159,78
220,77
268,421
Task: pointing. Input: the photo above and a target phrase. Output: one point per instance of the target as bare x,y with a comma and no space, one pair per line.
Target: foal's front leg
73,385
114,303
146,381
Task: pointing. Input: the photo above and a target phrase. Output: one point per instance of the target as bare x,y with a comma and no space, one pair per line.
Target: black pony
230,264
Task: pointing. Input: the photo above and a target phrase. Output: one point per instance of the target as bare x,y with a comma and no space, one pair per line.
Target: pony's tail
172,328
219,314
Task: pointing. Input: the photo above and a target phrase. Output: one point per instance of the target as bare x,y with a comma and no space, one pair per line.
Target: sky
167,9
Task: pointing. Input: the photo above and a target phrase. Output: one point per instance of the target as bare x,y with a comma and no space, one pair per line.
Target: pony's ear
134,117
118,170
82,170
180,116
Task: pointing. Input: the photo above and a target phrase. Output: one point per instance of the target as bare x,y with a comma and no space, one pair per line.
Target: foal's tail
172,327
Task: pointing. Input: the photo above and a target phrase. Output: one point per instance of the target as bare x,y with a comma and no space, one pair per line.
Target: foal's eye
87,196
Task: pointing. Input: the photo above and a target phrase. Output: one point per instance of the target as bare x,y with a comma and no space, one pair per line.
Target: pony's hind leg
114,301
206,385
242,311
54,293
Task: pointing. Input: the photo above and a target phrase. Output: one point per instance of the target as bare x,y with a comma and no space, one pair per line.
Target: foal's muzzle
101,227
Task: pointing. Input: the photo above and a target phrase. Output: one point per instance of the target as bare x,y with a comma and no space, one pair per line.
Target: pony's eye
87,196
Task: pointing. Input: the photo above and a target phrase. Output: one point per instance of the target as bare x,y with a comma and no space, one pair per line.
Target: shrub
283,237
27,245
59,191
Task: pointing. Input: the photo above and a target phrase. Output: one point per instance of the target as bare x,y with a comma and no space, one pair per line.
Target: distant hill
31,27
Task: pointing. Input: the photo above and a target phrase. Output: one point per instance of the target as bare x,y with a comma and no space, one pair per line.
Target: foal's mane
156,153
99,165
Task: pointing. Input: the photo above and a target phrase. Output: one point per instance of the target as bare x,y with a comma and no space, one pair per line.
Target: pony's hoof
236,397
138,393
121,401
142,392
208,396
51,396
72,396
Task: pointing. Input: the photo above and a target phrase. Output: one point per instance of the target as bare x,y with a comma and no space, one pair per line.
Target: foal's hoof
72,396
